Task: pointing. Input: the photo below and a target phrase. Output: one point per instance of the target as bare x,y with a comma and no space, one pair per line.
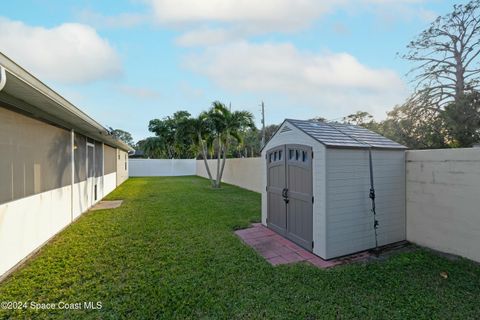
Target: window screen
90,161
35,156
110,160
80,158
98,159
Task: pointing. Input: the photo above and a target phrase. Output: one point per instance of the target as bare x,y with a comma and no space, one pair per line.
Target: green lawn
170,252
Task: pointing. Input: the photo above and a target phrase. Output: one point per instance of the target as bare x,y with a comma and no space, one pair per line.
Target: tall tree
269,132
366,120
201,131
462,120
414,127
447,58
225,125
152,147
169,130
124,136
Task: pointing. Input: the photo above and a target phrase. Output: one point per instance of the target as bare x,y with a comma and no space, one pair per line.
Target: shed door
290,192
300,195
276,184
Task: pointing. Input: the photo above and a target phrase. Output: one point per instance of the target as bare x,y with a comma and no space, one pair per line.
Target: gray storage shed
317,187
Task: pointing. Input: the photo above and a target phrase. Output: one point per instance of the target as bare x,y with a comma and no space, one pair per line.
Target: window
304,156
80,158
98,159
90,161
280,155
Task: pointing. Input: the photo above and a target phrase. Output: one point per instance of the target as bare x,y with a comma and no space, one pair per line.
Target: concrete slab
105,205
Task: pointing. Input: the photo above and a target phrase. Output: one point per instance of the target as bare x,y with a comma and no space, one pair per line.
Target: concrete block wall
246,173
443,200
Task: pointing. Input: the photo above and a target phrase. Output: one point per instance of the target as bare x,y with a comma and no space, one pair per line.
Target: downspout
3,78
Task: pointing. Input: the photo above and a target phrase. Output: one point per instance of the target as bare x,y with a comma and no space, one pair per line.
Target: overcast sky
126,62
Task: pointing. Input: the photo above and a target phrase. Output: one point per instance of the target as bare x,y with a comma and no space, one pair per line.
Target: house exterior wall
55,178
295,136
122,166
27,223
349,219
109,183
443,192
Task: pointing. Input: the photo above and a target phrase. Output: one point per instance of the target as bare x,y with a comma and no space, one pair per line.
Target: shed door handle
285,195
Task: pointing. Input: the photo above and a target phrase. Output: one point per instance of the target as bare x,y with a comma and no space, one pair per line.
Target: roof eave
73,116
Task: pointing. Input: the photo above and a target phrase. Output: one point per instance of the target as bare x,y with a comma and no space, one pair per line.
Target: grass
170,252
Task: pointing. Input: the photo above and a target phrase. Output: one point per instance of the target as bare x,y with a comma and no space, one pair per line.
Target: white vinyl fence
162,167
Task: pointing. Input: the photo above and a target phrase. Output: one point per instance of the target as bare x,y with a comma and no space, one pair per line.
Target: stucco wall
443,200
27,223
246,173
122,166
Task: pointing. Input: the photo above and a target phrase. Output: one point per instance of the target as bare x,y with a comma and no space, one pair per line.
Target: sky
127,62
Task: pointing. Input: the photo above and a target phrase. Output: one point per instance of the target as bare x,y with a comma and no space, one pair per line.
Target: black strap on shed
372,197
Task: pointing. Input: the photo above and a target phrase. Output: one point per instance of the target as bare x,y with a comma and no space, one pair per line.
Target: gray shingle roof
344,135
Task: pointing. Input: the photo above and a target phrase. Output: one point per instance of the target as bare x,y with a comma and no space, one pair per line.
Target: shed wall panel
349,217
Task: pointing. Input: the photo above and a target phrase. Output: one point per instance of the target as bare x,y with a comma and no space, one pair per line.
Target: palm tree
224,125
200,130
153,147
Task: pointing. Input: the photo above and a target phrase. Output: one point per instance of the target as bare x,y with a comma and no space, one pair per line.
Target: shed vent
285,129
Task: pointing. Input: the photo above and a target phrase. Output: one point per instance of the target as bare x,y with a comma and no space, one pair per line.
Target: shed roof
334,134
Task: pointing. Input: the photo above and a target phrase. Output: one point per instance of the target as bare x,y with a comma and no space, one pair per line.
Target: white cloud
122,20
220,21
327,80
205,37
139,92
281,14
68,53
